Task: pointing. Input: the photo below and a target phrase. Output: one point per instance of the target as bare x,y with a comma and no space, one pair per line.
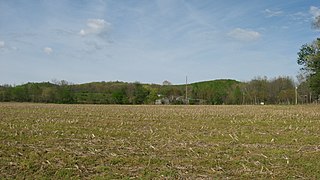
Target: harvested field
161,142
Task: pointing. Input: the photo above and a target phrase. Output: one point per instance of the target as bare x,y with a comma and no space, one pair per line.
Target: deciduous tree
309,59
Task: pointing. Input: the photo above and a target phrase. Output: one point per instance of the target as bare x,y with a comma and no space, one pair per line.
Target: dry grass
160,142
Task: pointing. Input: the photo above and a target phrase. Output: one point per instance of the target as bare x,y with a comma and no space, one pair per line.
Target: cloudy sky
152,40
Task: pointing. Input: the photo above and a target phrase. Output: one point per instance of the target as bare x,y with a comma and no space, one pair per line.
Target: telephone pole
296,93
187,102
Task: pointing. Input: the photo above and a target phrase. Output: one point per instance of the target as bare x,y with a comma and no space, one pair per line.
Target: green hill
222,91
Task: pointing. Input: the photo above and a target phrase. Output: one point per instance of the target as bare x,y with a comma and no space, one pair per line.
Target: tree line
280,90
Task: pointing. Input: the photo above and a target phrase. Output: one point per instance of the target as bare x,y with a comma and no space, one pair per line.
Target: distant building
158,102
162,101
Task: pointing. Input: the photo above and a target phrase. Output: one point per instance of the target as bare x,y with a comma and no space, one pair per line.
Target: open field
186,142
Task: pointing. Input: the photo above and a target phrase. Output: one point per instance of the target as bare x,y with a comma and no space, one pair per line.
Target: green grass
45,141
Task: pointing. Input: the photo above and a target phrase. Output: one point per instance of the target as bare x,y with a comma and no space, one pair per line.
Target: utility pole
187,90
296,93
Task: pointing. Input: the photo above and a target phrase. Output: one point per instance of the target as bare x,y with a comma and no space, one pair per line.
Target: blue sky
152,40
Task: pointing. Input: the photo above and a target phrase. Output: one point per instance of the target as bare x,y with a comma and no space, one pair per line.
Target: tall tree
140,93
309,58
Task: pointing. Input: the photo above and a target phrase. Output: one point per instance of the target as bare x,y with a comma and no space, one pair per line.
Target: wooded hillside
279,90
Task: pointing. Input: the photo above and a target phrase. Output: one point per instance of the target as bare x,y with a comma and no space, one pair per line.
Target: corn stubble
159,142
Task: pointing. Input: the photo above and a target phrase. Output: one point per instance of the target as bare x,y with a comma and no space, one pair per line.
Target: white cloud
95,26
5,46
47,50
300,16
315,11
2,44
244,34
271,13
82,32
